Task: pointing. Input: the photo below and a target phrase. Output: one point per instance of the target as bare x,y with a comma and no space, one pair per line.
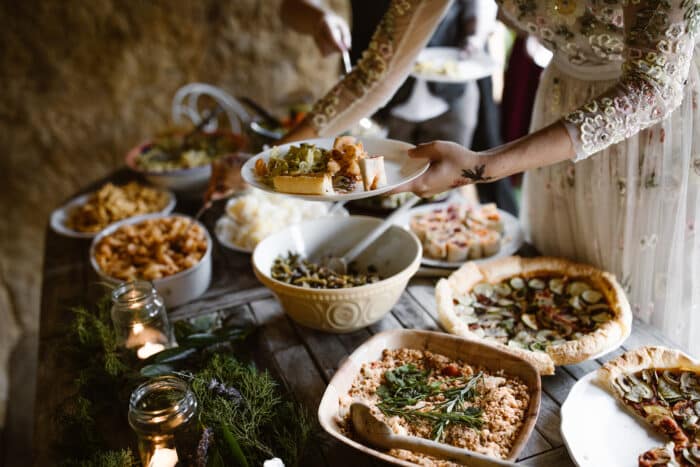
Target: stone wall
81,81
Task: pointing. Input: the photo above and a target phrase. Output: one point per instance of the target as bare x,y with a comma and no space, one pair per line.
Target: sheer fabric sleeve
403,31
659,47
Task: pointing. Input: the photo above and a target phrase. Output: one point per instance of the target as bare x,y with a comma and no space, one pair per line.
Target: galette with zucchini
548,310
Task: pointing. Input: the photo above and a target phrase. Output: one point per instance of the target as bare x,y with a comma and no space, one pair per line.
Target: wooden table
303,359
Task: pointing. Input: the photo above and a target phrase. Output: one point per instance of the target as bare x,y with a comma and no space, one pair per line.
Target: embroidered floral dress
625,83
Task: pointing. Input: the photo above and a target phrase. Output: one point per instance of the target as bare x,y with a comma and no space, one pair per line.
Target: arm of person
659,48
309,17
659,43
403,31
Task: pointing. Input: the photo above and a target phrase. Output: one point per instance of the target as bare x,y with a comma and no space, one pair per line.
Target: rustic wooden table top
302,358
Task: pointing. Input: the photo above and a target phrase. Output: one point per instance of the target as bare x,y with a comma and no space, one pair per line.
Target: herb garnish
407,385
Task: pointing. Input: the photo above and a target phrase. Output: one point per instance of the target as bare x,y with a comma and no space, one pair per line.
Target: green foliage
121,458
406,385
251,419
262,422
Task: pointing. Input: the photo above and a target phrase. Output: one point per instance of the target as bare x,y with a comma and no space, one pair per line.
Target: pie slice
549,311
662,387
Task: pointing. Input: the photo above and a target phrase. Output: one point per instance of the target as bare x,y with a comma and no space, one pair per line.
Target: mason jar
140,319
162,412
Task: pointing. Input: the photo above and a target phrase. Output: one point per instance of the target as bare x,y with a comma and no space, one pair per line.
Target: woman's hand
451,166
332,34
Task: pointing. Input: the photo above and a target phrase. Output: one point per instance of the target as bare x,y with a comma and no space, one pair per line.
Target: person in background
471,118
613,159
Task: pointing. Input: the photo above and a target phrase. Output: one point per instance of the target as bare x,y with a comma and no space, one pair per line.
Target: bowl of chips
169,251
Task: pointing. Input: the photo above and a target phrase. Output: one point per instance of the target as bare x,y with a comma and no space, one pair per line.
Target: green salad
299,160
175,151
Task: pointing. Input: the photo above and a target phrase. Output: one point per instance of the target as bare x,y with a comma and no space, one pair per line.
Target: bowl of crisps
165,249
180,160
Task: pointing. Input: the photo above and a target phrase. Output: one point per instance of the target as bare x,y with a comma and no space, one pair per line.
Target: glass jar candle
162,412
140,319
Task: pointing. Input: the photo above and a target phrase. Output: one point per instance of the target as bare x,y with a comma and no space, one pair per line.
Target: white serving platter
225,227
511,241
60,215
598,431
470,67
399,168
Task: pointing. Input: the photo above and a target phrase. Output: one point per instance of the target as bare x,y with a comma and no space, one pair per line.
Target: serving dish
472,352
463,67
175,289
597,430
60,215
186,180
396,255
398,167
511,240
226,228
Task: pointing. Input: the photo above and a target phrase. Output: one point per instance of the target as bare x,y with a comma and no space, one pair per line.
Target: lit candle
163,457
149,349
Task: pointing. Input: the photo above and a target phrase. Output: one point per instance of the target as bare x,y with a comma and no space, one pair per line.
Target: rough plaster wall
81,81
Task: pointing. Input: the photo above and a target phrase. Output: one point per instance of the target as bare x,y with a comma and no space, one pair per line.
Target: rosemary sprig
406,386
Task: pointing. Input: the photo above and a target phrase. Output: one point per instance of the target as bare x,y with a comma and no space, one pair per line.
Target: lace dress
624,82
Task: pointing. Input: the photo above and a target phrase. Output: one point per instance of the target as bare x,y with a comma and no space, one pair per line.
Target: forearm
302,15
544,147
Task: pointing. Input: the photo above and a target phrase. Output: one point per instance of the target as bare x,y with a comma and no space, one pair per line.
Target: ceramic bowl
331,409
177,289
188,181
396,255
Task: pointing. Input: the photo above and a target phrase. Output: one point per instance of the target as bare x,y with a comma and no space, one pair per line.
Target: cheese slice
372,170
317,184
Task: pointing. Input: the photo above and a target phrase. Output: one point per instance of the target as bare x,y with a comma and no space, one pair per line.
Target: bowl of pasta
171,251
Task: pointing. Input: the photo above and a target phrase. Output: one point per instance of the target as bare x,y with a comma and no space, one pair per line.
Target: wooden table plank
535,445
558,457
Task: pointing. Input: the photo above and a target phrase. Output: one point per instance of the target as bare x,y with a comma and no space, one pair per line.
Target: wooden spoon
378,433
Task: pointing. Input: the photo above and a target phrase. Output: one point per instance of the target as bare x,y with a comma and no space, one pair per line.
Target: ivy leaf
171,355
151,371
234,447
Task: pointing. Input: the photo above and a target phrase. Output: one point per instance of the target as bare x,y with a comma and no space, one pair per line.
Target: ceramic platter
597,430
466,67
59,217
511,241
398,167
225,228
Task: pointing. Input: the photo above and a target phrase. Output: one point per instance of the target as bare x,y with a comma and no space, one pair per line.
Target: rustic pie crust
661,387
537,278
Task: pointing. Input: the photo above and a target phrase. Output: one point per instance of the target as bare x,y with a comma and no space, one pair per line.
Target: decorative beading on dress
654,56
403,32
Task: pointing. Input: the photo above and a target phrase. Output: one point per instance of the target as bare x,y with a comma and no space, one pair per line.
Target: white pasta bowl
396,255
176,289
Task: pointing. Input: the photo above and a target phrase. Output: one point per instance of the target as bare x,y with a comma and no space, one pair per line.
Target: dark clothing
452,126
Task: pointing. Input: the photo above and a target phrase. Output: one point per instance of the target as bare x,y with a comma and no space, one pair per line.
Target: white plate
398,167
598,430
60,216
472,67
225,226
511,241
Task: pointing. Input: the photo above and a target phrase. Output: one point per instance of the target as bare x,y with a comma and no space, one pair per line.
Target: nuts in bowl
167,250
336,304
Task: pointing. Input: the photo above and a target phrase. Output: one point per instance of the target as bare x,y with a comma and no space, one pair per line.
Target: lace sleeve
404,30
659,47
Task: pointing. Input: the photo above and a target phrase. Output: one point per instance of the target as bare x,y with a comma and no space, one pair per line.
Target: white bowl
187,181
396,255
177,289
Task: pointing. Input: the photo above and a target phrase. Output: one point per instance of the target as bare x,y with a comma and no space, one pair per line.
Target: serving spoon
378,433
340,264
